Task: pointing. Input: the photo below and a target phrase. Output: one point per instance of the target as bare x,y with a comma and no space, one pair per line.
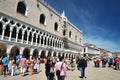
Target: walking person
13,68
47,69
82,64
117,61
61,68
5,64
23,65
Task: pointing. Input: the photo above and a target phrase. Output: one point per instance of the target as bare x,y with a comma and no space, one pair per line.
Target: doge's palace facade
33,28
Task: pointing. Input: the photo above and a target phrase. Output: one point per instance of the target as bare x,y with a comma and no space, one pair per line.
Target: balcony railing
13,39
6,38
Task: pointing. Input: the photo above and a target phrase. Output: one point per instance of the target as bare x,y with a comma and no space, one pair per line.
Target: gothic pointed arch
1,28
20,34
45,40
25,35
7,31
30,36
34,38
21,7
48,41
38,39
41,39
14,32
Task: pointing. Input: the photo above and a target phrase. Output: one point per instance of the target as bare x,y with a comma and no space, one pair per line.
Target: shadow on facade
2,49
15,50
43,54
26,53
35,53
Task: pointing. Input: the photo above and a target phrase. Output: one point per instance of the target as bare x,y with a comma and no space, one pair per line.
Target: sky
99,20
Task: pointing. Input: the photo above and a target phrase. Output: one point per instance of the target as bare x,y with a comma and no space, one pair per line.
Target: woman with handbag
61,69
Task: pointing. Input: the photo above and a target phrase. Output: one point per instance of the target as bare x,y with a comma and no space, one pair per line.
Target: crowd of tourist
54,66
20,65
111,62
9,65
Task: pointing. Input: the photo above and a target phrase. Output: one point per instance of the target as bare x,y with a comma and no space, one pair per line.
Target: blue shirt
5,61
18,57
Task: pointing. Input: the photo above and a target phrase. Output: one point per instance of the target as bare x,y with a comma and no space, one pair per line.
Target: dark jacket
47,68
82,63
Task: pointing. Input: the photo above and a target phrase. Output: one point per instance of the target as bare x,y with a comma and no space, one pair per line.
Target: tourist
13,68
23,65
117,61
38,64
5,64
47,69
82,64
61,66
110,62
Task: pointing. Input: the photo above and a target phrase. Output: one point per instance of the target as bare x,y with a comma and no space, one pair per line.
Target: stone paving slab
92,73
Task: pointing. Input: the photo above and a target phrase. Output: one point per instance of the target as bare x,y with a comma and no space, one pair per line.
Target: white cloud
102,43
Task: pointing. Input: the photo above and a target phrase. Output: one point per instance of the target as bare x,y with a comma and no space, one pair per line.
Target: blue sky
98,19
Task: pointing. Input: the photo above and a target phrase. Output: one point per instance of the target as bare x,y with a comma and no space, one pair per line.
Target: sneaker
81,77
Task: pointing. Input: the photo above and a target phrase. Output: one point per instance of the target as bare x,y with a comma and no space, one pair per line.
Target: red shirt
117,60
22,62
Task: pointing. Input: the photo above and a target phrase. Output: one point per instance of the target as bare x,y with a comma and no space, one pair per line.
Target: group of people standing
9,65
52,67
112,62
58,68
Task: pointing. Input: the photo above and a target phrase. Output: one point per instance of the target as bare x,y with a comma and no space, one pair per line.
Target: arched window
42,19
1,28
45,41
30,36
14,33
38,39
7,31
48,42
70,34
51,42
25,35
42,40
20,34
21,8
56,26
34,38
64,32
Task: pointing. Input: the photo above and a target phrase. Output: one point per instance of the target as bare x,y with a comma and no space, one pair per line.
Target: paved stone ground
92,73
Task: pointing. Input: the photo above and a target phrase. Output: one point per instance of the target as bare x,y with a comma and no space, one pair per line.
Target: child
13,69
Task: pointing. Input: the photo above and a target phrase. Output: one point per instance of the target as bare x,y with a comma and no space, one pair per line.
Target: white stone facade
34,27
91,51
